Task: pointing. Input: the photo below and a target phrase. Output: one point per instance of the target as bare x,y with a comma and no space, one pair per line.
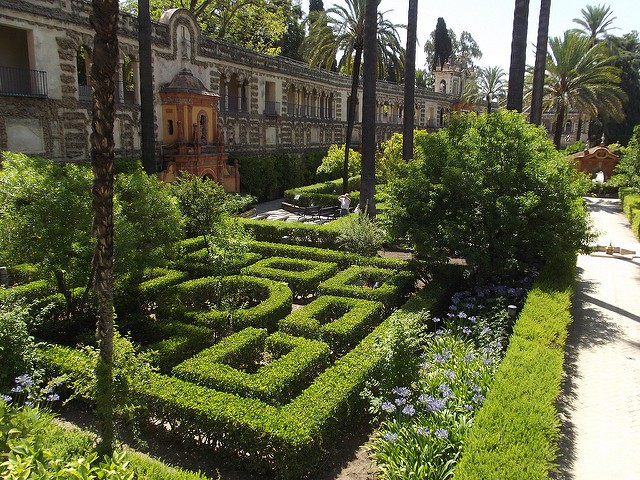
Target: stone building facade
266,104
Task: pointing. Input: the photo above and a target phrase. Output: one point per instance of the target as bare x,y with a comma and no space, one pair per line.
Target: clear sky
490,22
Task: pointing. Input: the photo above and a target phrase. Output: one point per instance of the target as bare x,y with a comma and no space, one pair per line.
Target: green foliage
628,169
302,276
631,207
17,346
339,321
493,190
333,164
370,283
324,194
391,158
515,434
358,233
575,147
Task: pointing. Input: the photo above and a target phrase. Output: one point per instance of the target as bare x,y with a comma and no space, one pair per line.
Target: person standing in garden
345,202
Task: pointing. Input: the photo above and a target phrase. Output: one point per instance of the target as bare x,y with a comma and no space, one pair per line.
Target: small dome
185,82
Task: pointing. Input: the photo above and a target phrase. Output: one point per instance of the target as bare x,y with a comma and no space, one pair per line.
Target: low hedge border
302,276
23,273
296,362
201,302
343,259
324,194
27,293
290,439
180,342
631,207
341,322
515,434
370,283
157,281
198,264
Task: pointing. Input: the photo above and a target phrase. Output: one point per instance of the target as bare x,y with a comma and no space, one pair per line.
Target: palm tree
580,77
518,55
487,86
595,22
540,64
368,173
410,84
104,20
146,88
340,31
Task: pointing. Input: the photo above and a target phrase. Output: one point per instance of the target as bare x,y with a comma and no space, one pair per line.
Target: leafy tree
540,63
487,85
493,190
518,62
464,50
206,208
340,31
580,77
596,22
628,169
331,166
422,78
442,45
294,34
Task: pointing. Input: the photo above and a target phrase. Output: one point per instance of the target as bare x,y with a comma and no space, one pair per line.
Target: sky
490,22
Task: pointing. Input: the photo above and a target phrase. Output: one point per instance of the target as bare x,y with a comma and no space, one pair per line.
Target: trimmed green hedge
227,366
631,207
324,194
370,283
27,293
23,273
223,302
343,259
302,276
515,434
180,341
339,321
199,264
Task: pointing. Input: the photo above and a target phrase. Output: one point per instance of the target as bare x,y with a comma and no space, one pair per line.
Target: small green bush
631,208
341,322
24,273
235,365
324,194
384,285
302,276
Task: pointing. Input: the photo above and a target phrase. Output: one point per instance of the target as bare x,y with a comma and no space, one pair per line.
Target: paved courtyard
600,405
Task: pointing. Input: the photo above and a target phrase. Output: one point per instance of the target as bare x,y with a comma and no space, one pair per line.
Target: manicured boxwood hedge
23,273
341,322
324,194
302,276
198,263
515,434
227,366
220,303
179,342
382,284
27,292
631,207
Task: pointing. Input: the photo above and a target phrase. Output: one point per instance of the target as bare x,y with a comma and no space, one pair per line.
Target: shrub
360,234
631,208
229,303
302,276
23,273
339,321
17,346
236,365
324,194
370,283
179,342
200,263
333,163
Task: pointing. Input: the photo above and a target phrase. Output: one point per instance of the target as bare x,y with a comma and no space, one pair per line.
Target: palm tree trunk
488,103
368,172
579,129
557,136
351,116
541,63
410,82
146,88
518,55
104,20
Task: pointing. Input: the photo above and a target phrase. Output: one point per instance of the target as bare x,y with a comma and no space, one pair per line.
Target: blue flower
401,391
462,315
450,374
441,433
390,437
423,431
435,320
432,404
28,403
468,406
53,397
486,361
6,398
425,365
478,398
466,330
485,330
472,319
446,391
24,381
409,410
439,358
469,357
16,389
400,401
388,407
476,388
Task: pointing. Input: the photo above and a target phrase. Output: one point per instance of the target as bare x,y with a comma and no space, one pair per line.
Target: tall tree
104,19
486,86
294,34
442,44
146,88
340,31
464,50
581,78
368,166
410,84
541,62
518,55
595,22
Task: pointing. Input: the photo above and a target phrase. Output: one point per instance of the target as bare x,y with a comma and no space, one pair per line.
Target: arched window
443,86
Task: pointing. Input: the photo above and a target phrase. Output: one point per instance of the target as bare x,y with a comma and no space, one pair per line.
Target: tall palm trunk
557,136
368,172
518,55
541,63
351,115
410,82
104,20
146,88
488,103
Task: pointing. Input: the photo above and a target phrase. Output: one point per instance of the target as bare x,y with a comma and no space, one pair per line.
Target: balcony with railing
23,82
309,111
233,104
271,109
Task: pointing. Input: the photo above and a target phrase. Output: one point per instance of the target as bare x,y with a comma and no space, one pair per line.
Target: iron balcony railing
271,108
233,104
22,82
